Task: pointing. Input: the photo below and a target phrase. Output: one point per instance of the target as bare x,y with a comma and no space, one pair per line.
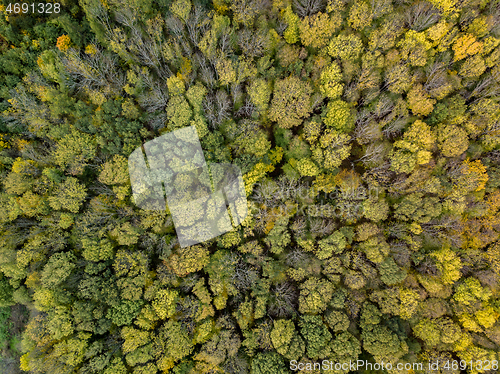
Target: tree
173,343
337,321
334,148
472,67
419,101
360,15
345,46
70,196
316,336
181,9
268,363
379,340
314,296
416,208
339,116
290,102
437,332
291,33
390,273
188,260
375,248
452,140
466,45
178,112
74,150
316,30
221,269
345,347
260,92
123,313
57,269
334,244
414,148
165,303
331,77
414,48
282,334
375,210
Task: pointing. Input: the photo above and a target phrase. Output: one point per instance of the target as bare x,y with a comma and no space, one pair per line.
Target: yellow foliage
414,47
316,30
447,6
466,45
91,49
475,173
360,15
3,144
487,316
226,72
21,166
419,101
472,67
437,31
63,43
480,26
291,33
181,8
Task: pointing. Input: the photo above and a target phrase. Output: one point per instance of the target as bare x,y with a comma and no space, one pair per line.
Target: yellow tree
414,48
291,102
419,101
466,45
316,30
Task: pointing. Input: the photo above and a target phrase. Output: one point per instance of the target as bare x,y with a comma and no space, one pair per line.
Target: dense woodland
368,136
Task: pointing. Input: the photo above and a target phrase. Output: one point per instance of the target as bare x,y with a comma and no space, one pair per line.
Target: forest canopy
368,137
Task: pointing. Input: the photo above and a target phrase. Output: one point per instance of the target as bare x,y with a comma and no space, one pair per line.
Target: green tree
316,336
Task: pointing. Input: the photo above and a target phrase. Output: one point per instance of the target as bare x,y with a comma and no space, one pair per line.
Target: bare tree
487,87
247,109
27,113
380,7
207,70
436,76
283,300
223,104
305,8
394,128
98,71
154,99
252,43
197,24
494,156
374,153
421,16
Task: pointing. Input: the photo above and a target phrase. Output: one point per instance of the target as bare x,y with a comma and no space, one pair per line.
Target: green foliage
268,363
316,336
57,269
